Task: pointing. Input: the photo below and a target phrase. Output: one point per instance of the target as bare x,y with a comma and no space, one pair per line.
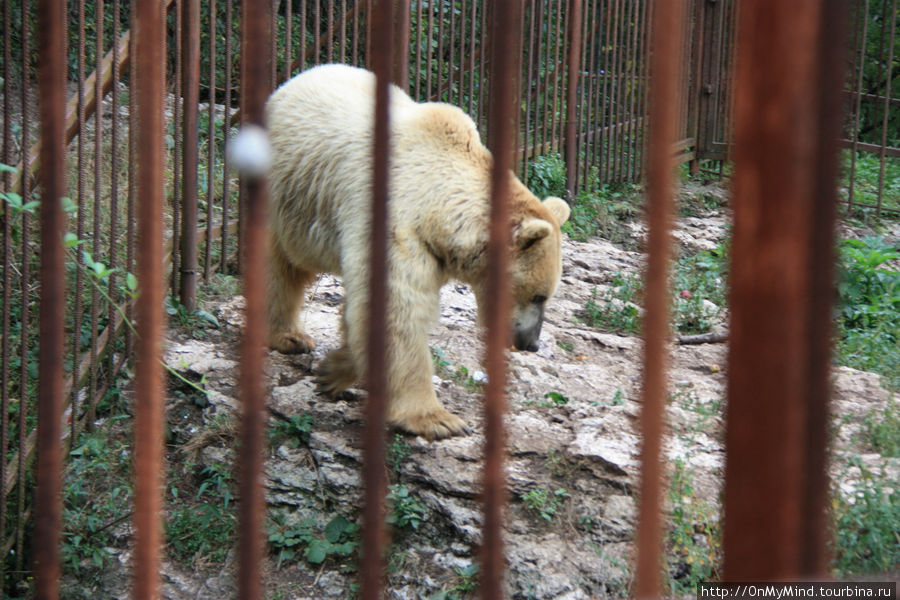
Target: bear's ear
559,208
530,232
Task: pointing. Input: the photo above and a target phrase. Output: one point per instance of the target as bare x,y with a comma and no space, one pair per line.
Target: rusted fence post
256,84
149,88
572,96
788,80
504,113
52,85
667,32
401,39
190,88
374,476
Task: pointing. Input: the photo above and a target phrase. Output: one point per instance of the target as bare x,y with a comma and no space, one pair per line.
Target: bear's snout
527,326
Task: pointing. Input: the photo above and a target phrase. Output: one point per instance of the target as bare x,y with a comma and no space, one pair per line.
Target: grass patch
867,539
867,177
869,310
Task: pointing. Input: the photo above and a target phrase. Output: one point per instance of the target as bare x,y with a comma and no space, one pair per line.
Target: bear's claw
292,343
434,426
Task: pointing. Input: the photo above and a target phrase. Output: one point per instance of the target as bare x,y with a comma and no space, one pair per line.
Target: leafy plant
547,176
397,452
866,534
545,502
695,536
293,431
339,539
870,307
615,310
883,430
407,511
603,210
699,289
202,525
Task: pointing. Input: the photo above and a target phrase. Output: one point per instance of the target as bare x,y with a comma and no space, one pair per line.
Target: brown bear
321,131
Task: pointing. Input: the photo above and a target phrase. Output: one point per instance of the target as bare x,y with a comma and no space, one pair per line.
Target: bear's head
536,263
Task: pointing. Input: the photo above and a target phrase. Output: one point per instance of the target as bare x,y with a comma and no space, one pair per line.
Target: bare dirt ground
573,462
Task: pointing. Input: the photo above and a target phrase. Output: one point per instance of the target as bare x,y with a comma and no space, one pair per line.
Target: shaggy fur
320,126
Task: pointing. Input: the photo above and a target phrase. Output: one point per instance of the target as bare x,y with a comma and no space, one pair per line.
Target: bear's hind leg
287,284
337,372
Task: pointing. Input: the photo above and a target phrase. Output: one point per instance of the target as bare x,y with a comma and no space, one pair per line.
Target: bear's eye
539,299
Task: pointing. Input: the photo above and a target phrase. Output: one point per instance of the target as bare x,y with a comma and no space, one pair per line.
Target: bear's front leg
287,285
412,404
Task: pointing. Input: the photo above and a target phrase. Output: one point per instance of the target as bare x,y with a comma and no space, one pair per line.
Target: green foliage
545,502
547,176
202,525
293,431
867,176
338,540
696,278
397,453
603,210
867,539
883,430
616,309
870,308
407,511
695,536
97,496
199,318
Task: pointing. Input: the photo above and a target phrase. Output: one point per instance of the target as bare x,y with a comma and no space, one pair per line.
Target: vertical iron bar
177,161
330,33
450,41
858,105
634,54
440,57
211,137
485,52
556,121
789,71
429,53
886,104
288,39
401,41
114,176
48,509
79,227
472,34
572,95
226,121
667,30
255,88
343,36
132,183
98,194
317,19
190,47
374,477
419,50
305,25
22,492
530,106
7,279
149,66
503,116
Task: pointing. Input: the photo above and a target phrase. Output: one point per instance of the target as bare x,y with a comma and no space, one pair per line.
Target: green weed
867,539
695,536
883,430
293,431
547,176
407,511
616,309
338,540
202,525
545,502
869,310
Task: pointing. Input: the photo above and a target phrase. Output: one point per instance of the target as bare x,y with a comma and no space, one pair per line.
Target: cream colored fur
320,125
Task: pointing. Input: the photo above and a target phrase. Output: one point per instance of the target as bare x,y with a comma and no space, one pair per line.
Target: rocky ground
573,463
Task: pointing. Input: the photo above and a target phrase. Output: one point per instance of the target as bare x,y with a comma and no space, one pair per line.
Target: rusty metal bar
317,19
343,36
289,39
48,503
505,71
25,333
226,120
303,20
790,69
255,88
527,149
177,161
7,271
98,194
557,121
858,104
211,135
114,173
190,72
149,64
572,95
667,31
401,39
473,32
329,57
887,103
80,215
450,41
374,535
485,52
440,57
